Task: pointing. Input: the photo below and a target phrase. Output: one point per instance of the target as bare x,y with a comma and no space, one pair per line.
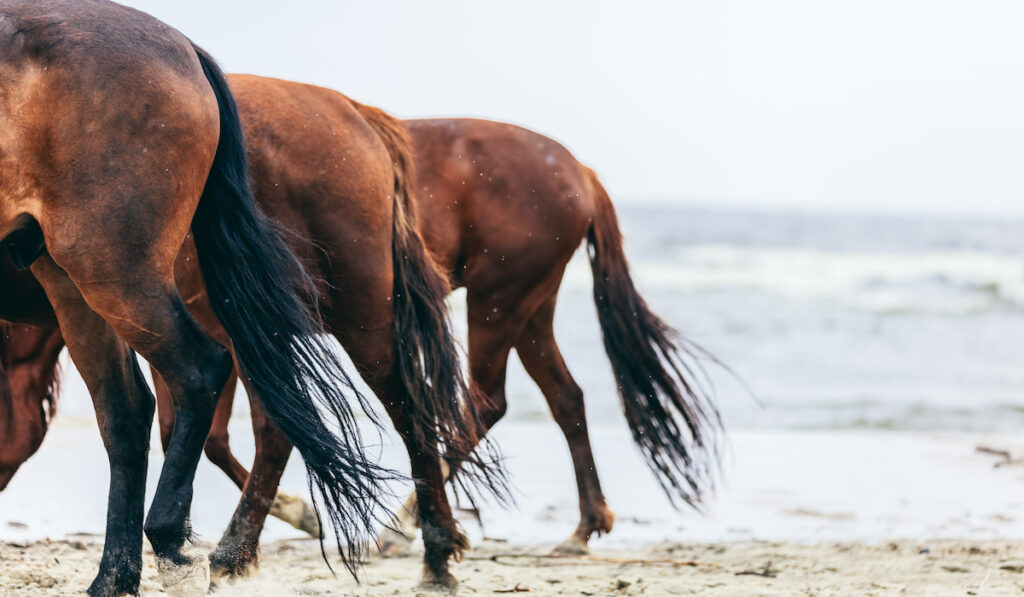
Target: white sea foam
942,282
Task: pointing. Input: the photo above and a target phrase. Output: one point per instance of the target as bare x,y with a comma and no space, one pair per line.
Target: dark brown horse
118,135
327,168
504,209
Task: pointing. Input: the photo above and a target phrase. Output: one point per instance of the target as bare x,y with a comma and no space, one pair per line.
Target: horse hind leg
218,445
144,308
195,377
292,509
237,552
490,342
124,410
372,348
543,361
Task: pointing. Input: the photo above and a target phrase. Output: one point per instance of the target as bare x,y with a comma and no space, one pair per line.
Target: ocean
828,321
831,321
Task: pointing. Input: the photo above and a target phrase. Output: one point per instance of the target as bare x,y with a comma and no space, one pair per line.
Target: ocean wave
943,282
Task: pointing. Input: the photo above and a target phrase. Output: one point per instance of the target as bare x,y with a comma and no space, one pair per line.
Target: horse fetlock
441,543
602,521
167,537
460,544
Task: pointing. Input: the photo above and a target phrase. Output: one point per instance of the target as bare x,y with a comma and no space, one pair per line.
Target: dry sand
938,567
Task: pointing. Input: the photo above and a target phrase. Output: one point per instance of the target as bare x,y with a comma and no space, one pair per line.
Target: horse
504,209
117,136
28,392
379,292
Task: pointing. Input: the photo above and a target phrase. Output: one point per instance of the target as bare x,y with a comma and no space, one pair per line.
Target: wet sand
293,567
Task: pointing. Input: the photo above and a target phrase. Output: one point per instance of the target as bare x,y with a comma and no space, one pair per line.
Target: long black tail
427,355
261,292
670,414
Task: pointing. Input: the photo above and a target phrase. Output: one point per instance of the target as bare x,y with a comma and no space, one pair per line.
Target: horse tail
671,415
425,348
261,294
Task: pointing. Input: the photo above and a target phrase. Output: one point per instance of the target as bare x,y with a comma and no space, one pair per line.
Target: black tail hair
261,294
670,413
426,352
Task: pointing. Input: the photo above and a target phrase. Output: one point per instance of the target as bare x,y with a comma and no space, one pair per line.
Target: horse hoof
224,568
186,576
115,584
439,585
393,544
297,512
571,547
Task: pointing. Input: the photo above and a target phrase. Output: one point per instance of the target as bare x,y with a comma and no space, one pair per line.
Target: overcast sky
914,106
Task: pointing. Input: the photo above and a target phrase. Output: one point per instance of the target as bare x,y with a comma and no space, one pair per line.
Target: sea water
831,321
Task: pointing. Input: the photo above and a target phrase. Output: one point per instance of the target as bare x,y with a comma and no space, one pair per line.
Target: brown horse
118,135
379,293
504,209
28,392
332,170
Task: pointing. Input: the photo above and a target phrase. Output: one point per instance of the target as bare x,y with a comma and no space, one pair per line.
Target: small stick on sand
767,572
560,560
516,589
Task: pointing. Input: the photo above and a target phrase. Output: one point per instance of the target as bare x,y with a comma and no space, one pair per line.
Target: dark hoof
115,584
187,575
229,564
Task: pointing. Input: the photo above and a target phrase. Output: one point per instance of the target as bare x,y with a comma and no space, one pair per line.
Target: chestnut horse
379,293
504,209
118,136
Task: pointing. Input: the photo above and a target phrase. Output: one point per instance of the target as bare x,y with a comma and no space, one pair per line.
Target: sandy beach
801,513
937,567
